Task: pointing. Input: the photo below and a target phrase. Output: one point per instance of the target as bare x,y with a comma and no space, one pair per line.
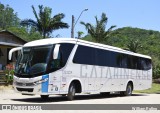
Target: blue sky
134,13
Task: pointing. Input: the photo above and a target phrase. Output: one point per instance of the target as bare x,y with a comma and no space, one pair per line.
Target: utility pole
72,29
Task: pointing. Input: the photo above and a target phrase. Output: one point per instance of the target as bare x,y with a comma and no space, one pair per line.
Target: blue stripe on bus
45,84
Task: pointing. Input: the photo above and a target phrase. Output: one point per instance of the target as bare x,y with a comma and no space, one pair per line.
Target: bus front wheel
71,92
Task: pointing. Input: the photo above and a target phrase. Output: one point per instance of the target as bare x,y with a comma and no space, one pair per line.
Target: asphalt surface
10,97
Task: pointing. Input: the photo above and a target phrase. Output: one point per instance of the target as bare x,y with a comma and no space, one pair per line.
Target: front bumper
28,85
35,89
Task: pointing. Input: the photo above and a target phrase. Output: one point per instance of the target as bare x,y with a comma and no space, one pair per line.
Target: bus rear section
106,69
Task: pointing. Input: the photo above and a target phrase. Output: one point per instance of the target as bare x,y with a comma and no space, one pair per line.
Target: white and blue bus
66,66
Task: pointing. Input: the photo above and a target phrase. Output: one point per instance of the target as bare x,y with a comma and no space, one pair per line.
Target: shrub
9,72
156,71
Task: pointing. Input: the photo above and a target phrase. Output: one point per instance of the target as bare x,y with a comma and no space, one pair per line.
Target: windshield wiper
24,65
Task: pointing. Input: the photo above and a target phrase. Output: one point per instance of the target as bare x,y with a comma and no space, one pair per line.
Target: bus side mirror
56,51
13,50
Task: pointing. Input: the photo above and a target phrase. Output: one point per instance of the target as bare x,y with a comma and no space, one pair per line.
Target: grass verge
155,89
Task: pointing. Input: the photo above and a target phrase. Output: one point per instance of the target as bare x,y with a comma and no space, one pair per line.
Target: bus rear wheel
71,92
128,91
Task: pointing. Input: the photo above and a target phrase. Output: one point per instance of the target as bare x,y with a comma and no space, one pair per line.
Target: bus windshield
33,60
36,61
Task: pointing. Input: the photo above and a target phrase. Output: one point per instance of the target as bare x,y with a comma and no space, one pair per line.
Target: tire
71,92
44,97
128,91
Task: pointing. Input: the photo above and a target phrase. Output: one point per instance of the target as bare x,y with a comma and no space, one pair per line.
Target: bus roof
49,41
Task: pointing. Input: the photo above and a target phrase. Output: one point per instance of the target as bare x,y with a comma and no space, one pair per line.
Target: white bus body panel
93,79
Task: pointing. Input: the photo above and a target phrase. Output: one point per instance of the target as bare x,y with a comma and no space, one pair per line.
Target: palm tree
98,31
44,23
80,33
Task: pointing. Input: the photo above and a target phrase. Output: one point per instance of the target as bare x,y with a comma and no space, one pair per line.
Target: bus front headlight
41,81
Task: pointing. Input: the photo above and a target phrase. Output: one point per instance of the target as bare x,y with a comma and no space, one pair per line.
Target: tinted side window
139,67
100,57
131,62
134,62
114,59
84,55
94,56
65,50
123,61
145,64
149,64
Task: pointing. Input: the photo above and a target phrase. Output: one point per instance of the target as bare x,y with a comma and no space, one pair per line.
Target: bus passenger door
54,82
55,77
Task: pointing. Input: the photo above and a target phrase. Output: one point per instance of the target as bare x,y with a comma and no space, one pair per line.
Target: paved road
10,97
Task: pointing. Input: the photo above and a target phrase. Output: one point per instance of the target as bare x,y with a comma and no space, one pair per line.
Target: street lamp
80,16
74,24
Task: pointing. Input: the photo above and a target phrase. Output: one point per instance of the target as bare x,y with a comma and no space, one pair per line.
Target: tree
98,31
21,32
156,71
80,33
7,17
45,24
134,45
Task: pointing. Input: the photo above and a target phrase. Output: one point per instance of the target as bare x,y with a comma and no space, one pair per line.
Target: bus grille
24,84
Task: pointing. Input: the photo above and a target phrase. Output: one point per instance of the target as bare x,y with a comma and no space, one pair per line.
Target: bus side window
124,61
146,64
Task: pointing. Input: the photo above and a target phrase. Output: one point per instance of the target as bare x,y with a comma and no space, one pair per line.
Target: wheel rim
72,91
129,90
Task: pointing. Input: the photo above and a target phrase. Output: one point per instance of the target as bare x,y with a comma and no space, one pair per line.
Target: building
8,41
